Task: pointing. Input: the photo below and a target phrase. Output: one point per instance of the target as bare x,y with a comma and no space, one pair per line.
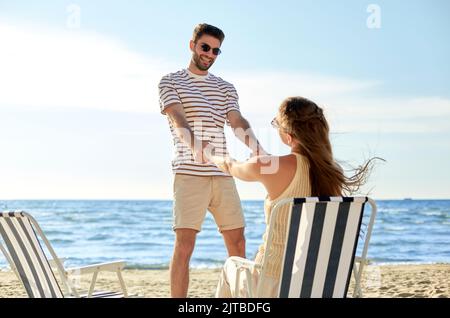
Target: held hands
205,154
202,152
199,156
223,163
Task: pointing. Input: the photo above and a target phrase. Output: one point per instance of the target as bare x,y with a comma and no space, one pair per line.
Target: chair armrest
243,262
359,259
62,260
108,267
246,266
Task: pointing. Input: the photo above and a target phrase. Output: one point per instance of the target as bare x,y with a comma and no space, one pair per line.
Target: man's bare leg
179,266
235,242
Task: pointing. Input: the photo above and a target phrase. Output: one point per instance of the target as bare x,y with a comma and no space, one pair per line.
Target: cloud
264,91
46,68
76,69
343,102
391,115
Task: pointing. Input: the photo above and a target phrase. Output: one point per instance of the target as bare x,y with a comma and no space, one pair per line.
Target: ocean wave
61,241
99,237
407,263
393,228
141,244
433,213
393,210
147,266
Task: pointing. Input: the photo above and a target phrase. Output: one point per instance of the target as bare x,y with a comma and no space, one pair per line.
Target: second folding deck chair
321,242
27,258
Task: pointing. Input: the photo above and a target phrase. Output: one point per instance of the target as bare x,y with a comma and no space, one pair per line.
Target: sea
140,232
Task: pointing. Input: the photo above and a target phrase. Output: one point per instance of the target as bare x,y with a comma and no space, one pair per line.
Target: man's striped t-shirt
206,101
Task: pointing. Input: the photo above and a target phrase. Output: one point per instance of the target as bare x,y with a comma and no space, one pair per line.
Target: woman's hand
249,170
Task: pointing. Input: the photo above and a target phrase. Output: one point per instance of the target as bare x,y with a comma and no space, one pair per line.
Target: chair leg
91,288
356,281
357,270
122,283
249,283
236,284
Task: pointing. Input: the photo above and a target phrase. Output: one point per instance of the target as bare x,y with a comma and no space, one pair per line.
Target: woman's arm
250,170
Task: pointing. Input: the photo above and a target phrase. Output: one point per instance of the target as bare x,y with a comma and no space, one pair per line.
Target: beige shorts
193,195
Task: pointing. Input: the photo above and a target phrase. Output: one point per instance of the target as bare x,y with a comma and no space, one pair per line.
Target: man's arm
244,132
177,116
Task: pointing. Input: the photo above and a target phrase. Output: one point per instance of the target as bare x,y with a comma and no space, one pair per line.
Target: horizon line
248,199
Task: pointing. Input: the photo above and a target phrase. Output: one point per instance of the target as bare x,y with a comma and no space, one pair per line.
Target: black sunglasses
274,123
205,47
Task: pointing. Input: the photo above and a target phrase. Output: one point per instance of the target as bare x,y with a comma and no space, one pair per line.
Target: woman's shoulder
269,158
291,159
283,174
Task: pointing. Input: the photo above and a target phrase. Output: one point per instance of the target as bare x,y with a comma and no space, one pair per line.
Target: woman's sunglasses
274,123
205,48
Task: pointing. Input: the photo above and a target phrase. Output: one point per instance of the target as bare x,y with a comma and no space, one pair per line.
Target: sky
79,111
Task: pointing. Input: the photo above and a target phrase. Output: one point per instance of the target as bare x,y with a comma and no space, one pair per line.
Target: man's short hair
204,28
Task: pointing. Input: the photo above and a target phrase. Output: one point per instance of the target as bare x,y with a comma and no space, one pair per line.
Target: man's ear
191,45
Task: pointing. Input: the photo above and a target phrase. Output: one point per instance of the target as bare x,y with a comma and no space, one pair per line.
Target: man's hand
202,152
199,156
223,163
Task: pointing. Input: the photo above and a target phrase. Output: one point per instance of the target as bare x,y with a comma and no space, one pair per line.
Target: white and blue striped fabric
321,244
27,256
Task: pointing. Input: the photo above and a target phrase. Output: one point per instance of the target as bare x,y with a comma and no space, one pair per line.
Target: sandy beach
424,281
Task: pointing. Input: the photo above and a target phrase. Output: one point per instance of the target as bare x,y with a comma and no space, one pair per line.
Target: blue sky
79,110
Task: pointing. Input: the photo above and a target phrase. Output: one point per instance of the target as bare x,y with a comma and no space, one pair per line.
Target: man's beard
198,63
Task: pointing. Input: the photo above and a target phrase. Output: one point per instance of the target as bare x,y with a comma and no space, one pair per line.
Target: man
197,105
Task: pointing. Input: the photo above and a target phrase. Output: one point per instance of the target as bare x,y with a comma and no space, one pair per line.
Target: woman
309,170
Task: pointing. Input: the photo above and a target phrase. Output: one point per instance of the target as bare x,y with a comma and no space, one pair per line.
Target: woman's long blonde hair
306,123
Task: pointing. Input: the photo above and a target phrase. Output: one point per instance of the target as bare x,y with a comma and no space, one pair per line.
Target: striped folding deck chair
27,258
321,242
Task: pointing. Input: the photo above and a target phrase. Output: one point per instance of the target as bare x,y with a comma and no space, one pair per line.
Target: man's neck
194,69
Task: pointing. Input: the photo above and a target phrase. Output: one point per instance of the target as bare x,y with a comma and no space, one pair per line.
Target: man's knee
239,241
184,243
235,237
